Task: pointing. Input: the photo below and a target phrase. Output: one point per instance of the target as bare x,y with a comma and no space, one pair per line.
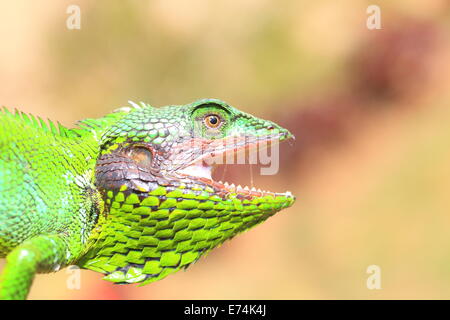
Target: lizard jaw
201,170
202,173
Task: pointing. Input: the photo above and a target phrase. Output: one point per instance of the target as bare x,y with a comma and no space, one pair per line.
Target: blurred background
370,110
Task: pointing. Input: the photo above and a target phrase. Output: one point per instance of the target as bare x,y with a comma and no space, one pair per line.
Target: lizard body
129,195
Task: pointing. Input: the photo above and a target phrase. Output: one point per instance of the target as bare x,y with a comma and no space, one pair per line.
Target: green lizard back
46,176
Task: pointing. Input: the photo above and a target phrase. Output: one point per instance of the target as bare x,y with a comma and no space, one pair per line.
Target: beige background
371,111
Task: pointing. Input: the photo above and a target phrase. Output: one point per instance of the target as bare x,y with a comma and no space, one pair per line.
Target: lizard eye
142,156
212,121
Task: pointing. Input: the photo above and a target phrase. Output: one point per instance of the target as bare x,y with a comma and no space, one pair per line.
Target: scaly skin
126,194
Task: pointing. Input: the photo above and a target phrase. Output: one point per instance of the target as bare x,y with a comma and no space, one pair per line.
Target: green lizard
129,195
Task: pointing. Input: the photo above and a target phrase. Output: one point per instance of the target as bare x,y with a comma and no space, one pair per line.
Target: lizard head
177,147
160,198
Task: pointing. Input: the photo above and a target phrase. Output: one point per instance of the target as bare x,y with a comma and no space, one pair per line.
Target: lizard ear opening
141,156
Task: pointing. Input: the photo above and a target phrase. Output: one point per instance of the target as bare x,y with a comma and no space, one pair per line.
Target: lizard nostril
270,127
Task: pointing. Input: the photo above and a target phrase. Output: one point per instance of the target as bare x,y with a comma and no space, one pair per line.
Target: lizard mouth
201,168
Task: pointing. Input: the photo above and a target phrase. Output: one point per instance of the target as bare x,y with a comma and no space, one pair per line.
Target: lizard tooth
246,188
259,190
239,187
253,189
